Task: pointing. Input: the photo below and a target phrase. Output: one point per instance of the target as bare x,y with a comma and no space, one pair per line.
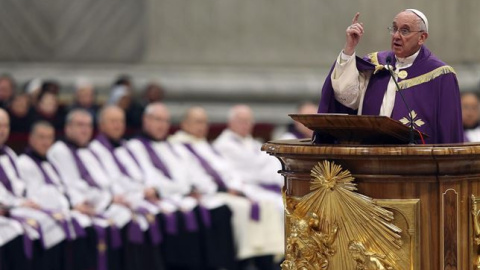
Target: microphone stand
411,135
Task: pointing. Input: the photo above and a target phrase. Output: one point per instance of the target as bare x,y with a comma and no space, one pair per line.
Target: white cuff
344,58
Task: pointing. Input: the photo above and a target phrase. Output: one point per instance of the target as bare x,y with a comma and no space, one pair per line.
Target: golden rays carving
334,227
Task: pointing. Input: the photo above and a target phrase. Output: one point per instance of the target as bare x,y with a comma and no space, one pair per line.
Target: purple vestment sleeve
450,128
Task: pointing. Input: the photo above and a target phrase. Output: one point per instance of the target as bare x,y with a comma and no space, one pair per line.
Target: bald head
305,108
111,122
156,121
241,120
195,122
4,126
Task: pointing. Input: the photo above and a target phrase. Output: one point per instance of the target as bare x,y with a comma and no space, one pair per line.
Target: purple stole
102,139
255,208
48,180
208,169
134,232
27,242
3,176
5,180
157,162
84,173
79,231
189,216
116,240
102,260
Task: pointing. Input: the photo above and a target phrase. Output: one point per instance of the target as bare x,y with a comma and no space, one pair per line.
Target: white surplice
50,196
253,238
33,219
78,189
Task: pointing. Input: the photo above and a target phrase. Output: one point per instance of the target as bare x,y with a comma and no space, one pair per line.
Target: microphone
411,137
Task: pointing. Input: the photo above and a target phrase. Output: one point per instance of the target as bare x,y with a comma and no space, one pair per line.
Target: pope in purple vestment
429,86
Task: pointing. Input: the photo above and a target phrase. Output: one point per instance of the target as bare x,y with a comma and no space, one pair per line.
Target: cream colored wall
296,32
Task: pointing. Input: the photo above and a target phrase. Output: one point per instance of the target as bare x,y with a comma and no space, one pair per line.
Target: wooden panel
443,178
449,225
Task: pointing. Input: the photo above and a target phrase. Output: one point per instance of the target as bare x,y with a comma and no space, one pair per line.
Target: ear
423,37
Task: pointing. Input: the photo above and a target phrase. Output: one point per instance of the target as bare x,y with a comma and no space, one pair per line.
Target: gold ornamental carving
334,227
476,231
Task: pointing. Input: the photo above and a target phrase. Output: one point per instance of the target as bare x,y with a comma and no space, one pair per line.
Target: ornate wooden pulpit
351,205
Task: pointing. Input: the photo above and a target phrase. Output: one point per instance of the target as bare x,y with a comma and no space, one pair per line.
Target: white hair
423,22
236,109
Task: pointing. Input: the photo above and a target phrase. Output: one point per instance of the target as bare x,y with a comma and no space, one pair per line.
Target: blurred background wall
270,54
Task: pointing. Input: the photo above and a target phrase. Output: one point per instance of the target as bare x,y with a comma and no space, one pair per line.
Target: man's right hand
354,34
151,194
85,209
30,204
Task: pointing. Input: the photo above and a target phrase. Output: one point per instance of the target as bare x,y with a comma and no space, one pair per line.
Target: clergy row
146,203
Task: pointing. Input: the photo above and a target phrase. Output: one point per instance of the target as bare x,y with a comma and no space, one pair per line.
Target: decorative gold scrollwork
367,260
307,246
476,230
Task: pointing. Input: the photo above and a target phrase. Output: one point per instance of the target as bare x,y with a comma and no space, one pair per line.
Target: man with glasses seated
364,86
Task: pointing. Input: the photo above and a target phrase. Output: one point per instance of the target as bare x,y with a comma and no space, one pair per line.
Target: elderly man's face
157,123
196,123
404,46
4,127
86,96
242,123
112,123
80,129
41,138
470,110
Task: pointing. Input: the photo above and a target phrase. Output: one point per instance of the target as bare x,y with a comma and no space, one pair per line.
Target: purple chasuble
430,88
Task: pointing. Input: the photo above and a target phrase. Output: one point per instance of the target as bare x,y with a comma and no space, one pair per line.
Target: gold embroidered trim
374,58
426,77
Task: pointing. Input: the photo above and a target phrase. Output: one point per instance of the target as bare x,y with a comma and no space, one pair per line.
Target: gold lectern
379,206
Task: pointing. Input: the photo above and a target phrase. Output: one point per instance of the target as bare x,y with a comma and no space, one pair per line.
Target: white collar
407,61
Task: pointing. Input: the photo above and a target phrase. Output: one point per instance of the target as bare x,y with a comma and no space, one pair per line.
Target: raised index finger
355,18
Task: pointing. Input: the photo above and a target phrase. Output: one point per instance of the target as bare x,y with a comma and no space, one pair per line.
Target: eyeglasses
403,31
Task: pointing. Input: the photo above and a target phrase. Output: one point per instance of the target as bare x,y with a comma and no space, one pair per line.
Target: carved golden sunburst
334,202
